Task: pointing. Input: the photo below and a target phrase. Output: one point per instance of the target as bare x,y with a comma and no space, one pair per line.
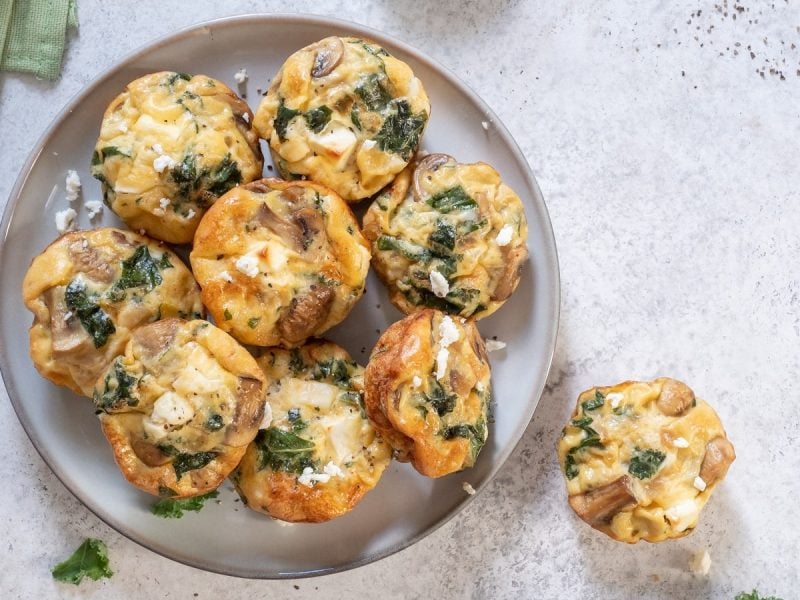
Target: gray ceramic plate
227,537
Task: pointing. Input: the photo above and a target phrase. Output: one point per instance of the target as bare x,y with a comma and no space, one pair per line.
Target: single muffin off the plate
428,389
448,235
169,146
279,261
345,113
180,407
319,454
642,458
89,290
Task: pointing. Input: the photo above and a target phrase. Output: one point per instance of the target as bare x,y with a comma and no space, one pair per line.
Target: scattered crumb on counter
700,564
468,488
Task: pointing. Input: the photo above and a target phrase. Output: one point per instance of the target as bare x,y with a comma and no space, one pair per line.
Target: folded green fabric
32,35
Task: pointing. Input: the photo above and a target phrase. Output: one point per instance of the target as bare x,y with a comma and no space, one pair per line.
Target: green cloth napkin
32,35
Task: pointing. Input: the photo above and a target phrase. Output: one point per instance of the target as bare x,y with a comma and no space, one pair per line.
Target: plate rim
554,302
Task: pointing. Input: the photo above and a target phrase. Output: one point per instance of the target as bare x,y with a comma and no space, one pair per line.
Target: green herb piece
355,399
476,434
645,463
754,596
169,508
296,364
594,403
184,175
107,151
184,463
163,262
227,314
444,235
283,451
252,322
354,118
298,425
94,319
89,560
373,93
166,491
172,78
139,270
214,422
374,50
441,401
334,370
590,440
224,176
282,119
570,468
317,118
117,388
401,130
454,198
409,250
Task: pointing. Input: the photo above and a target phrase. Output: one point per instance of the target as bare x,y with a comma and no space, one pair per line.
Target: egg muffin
345,113
169,146
180,407
89,290
642,458
448,235
428,390
319,454
279,261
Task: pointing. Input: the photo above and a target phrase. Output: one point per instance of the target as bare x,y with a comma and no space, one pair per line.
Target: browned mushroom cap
304,224
329,54
68,334
719,456
305,314
249,411
513,259
148,453
675,399
427,165
600,505
156,337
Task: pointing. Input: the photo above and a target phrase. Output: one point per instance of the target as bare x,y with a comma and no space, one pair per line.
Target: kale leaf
223,177
409,250
184,175
89,560
94,319
645,463
476,434
283,451
401,130
594,403
441,401
139,270
454,198
282,119
444,235
317,118
190,462
373,93
117,388
590,440
169,508
333,370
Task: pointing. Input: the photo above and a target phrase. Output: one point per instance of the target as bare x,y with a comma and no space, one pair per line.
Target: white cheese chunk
190,214
448,333
699,484
164,203
504,237
172,409
333,470
308,478
494,345
65,220
267,420
240,76
313,394
439,284
73,185
615,398
700,564
335,141
93,208
416,381
162,163
468,488
680,442
682,515
247,265
225,276
485,125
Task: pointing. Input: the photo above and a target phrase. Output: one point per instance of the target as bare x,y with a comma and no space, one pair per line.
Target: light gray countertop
668,157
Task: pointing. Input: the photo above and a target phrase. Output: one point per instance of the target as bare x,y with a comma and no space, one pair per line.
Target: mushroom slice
427,165
89,261
675,399
305,314
719,456
148,453
329,54
287,231
513,258
600,505
157,337
249,411
68,335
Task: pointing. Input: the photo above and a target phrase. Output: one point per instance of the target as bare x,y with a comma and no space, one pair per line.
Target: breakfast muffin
449,236
169,146
428,389
642,458
89,289
319,454
279,261
345,113
180,407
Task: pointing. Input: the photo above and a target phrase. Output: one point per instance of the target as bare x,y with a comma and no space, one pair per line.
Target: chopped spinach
214,422
283,451
298,425
444,235
224,176
570,467
374,50
118,386
94,319
334,370
594,403
354,119
401,130
252,322
169,508
441,401
107,151
317,118
645,462
282,119
407,249
454,198
296,364
373,93
184,175
139,270
355,399
190,462
227,314
163,262
476,434
590,440
89,560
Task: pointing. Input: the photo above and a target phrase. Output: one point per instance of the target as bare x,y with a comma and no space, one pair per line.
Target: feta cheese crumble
308,478
468,488
416,382
439,284
73,185
448,333
494,345
682,515
65,220
162,161
247,265
225,276
699,484
190,214
504,237
93,207
172,409
485,125
700,564
240,76
680,443
267,420
615,398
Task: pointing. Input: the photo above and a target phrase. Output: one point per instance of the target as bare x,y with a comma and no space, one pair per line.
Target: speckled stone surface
665,138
